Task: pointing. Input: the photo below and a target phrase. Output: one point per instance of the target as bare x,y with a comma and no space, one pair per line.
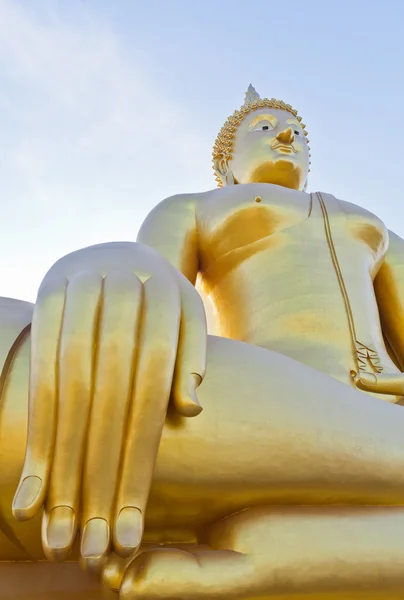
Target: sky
109,106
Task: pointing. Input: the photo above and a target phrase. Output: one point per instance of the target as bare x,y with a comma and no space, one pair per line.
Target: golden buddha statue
290,482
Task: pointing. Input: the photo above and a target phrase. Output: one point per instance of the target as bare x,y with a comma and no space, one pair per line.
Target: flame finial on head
251,95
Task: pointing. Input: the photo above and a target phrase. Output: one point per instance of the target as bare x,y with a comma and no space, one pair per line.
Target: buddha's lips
279,146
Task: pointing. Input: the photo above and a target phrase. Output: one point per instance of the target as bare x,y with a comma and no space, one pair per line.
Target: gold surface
264,460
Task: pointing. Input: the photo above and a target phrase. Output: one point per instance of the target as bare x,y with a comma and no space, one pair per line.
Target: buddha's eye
263,122
296,132
264,125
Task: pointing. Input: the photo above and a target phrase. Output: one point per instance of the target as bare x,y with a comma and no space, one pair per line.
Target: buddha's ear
222,170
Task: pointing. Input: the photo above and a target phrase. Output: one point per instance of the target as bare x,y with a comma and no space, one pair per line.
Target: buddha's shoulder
358,214
361,223
179,202
177,211
354,210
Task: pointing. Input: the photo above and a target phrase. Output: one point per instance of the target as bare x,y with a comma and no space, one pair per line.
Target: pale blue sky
109,106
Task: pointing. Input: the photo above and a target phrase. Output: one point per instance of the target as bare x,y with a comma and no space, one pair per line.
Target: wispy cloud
89,141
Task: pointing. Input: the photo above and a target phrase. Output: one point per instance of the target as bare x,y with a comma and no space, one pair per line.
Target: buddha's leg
272,431
350,553
276,431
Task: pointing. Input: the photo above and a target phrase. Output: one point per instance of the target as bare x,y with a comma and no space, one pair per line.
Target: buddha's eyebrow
293,122
263,117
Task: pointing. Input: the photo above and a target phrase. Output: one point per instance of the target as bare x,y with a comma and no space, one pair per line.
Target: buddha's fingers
191,358
76,366
45,336
380,383
171,573
152,385
117,344
86,318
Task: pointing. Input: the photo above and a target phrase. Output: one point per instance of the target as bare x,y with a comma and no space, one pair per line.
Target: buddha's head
263,142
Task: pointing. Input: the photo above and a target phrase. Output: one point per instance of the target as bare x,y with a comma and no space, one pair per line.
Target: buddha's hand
390,384
116,332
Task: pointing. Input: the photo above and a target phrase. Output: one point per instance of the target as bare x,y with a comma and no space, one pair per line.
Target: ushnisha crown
224,144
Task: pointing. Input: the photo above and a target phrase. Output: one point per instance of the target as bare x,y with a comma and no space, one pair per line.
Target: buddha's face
270,147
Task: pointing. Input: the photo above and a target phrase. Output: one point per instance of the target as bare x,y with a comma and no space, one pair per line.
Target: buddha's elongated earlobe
223,172
230,177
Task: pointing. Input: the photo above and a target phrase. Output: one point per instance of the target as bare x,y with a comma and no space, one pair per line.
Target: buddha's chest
244,216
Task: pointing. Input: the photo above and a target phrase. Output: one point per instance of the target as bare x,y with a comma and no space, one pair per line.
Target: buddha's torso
293,272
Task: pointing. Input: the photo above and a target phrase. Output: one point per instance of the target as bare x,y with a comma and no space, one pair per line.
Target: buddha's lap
247,386
274,430
267,420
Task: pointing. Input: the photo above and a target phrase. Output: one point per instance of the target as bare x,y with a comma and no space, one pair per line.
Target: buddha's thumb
365,381
391,384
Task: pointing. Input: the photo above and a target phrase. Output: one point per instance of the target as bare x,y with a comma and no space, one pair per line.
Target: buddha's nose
286,136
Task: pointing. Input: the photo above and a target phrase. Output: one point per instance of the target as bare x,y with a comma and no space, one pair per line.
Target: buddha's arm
170,229
389,289
117,298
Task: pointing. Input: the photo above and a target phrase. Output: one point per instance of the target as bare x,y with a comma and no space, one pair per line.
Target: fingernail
60,529
192,408
128,530
95,540
195,381
26,495
368,378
